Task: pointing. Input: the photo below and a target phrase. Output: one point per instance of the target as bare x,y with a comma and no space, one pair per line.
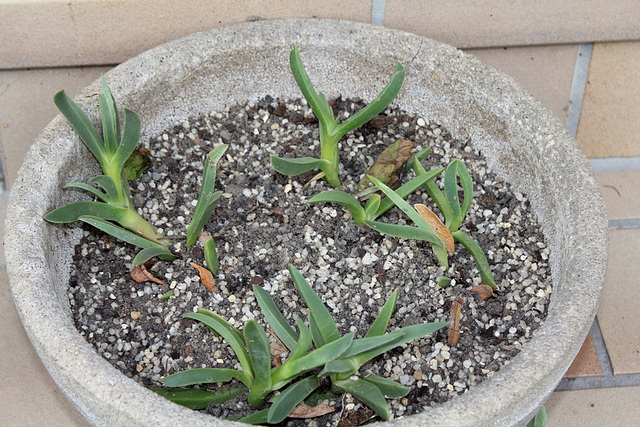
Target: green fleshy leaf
120,233
194,398
371,207
367,393
540,419
290,166
275,319
109,187
317,101
326,325
201,376
109,118
390,389
409,333
346,200
294,368
377,105
207,199
146,254
167,295
304,342
364,345
89,188
406,189
339,366
73,211
82,125
478,255
129,141
231,334
290,398
379,326
259,352
211,256
256,418
403,231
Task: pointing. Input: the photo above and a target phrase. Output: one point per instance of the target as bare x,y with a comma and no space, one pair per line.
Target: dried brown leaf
277,350
453,334
206,277
440,229
140,274
483,292
305,411
389,163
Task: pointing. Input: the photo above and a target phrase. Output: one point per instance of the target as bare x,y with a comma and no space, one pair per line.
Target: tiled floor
602,387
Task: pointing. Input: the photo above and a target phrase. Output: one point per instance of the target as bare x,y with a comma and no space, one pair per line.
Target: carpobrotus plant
331,130
113,211
336,357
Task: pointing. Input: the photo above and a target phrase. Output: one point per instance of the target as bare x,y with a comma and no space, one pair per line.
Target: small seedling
429,225
331,130
422,231
113,211
455,211
340,358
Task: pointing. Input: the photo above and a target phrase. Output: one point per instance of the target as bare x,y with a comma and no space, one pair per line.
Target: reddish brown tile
586,363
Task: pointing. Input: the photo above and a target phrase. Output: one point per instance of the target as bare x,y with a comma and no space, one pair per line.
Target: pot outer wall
523,142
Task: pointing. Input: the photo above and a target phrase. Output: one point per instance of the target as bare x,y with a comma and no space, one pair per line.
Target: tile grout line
378,8
601,348
578,86
588,383
614,164
624,224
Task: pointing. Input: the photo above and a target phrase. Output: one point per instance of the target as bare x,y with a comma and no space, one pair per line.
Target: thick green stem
329,152
133,221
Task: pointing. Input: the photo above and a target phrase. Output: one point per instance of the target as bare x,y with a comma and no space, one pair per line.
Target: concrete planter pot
523,142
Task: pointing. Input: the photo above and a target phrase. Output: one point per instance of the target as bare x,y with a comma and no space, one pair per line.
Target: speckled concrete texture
522,140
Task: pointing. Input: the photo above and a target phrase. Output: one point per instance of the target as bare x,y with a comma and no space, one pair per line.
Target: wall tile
49,33
545,71
26,102
472,23
610,120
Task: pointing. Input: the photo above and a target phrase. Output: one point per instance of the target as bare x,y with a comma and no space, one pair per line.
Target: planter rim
522,140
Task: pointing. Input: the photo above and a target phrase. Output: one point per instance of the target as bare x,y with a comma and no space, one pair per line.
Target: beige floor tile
545,71
26,106
618,314
586,363
57,33
28,395
621,193
598,407
473,23
610,120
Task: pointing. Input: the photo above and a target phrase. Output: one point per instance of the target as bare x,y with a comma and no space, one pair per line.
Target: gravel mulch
263,223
